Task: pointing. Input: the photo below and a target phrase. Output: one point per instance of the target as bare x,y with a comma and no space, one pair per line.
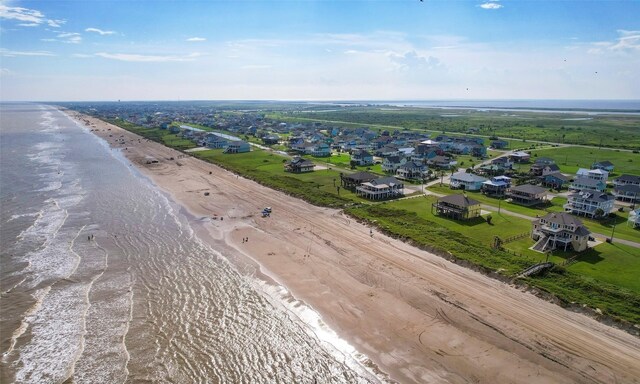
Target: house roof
520,154
361,176
557,175
586,182
562,218
468,177
592,195
529,189
300,162
628,188
386,181
605,163
458,200
553,167
628,178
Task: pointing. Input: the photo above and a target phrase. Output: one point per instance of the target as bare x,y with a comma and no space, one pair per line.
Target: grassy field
569,159
618,131
605,227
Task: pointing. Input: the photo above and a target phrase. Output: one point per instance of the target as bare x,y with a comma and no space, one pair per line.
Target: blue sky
319,50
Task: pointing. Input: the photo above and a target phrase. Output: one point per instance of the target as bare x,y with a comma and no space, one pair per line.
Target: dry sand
418,317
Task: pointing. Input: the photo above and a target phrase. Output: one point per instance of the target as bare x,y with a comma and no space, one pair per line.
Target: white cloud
56,23
21,14
147,58
626,42
70,37
5,72
100,31
196,39
413,61
8,53
28,17
491,5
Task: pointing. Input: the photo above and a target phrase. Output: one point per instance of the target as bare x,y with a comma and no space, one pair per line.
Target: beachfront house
589,203
466,181
605,165
538,167
353,180
581,183
520,157
215,141
629,193
458,207
555,180
499,144
392,163
412,170
380,188
625,179
503,162
237,147
497,186
634,218
298,165
527,194
559,230
442,162
594,174
361,157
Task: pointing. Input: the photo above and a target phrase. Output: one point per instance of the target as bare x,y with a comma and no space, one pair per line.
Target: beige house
458,207
559,230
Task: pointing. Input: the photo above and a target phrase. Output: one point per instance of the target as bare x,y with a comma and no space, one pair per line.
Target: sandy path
418,317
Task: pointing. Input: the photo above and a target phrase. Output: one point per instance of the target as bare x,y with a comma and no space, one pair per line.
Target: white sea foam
340,348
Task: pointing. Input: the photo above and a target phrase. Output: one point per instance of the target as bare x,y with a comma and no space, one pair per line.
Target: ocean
105,280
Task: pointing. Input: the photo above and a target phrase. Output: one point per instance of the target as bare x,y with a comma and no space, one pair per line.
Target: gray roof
386,180
586,182
592,195
458,200
628,188
562,218
528,188
557,175
628,178
605,163
468,177
361,176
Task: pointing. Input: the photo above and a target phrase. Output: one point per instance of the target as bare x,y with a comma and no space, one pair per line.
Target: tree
599,212
489,218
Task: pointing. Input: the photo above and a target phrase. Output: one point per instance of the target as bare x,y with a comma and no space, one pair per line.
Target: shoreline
417,316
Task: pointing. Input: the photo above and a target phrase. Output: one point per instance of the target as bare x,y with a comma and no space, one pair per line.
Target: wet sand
418,317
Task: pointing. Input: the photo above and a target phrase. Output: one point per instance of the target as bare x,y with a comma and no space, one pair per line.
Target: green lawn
554,205
569,159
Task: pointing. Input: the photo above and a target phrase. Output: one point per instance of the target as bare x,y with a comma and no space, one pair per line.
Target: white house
467,181
588,201
593,174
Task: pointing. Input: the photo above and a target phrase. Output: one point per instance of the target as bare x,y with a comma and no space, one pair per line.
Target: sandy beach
418,317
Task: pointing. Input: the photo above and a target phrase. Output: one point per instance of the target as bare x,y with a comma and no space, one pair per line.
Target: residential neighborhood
379,165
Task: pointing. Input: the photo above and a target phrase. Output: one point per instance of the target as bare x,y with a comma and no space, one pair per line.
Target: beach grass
584,282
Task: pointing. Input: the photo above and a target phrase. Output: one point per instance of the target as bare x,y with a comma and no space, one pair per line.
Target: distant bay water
571,106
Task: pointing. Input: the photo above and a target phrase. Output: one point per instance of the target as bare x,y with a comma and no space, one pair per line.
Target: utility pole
612,231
